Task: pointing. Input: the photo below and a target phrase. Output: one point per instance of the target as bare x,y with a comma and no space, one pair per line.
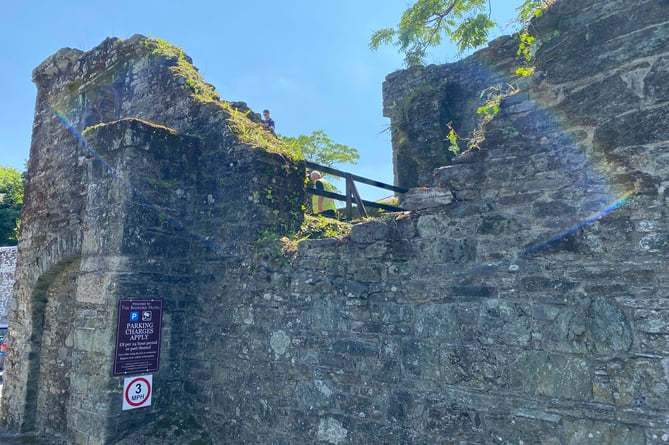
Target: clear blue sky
307,61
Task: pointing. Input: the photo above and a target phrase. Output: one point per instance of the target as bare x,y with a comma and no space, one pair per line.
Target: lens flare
589,220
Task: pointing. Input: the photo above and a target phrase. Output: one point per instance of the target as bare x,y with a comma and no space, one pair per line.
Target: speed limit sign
137,392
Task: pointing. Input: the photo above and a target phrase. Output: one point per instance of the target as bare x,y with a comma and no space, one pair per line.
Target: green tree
319,148
11,202
466,23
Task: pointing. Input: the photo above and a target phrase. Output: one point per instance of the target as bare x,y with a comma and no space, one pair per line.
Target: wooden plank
334,171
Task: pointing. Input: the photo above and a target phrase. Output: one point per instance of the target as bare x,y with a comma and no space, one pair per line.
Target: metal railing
352,194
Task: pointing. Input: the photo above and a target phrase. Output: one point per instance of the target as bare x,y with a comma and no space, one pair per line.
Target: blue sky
307,61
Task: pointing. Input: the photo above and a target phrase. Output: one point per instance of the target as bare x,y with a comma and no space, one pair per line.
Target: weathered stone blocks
530,309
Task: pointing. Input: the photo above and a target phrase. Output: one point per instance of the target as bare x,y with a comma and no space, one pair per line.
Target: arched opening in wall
50,358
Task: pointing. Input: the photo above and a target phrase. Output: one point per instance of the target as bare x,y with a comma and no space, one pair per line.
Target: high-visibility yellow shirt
325,202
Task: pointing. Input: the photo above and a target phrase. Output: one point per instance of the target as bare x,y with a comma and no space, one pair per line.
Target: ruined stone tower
533,309
136,169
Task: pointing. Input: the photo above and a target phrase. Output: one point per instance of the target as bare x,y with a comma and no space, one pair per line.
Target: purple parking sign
138,336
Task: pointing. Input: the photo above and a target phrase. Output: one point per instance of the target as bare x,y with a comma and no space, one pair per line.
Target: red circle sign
142,391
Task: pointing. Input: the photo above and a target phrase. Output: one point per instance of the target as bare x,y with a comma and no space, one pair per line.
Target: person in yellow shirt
322,205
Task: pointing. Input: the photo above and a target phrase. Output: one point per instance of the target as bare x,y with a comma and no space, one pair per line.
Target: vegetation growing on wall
253,133
493,97
239,120
182,67
277,249
318,147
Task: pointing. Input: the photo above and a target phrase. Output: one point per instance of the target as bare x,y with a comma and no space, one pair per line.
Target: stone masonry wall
127,194
531,310
421,102
7,269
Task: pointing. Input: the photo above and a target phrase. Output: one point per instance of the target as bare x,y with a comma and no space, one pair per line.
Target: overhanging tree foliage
319,148
426,23
11,202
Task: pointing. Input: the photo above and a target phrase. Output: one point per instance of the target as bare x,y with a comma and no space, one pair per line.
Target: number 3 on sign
137,392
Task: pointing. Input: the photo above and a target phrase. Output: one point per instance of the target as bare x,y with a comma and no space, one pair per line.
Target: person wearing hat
322,205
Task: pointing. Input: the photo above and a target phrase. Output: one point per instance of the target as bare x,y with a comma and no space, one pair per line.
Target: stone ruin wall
135,189
7,269
533,309
599,66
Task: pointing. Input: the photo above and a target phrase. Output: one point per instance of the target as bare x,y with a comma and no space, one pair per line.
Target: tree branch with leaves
426,24
319,148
